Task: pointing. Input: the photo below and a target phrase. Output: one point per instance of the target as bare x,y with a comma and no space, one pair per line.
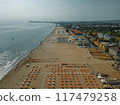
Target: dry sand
49,59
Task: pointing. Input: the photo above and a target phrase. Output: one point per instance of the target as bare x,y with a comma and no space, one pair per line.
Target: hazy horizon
59,10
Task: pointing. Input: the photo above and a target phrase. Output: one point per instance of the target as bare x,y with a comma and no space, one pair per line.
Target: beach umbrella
21,87
61,80
74,83
24,80
81,65
81,69
73,80
34,78
78,83
75,86
49,87
80,86
53,87
62,86
88,86
53,83
96,83
91,83
26,87
61,83
65,80
90,80
65,77
66,83
71,86
66,86
28,84
87,83
29,80
49,83
98,87
49,77
23,83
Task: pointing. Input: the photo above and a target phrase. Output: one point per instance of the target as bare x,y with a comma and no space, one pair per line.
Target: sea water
17,40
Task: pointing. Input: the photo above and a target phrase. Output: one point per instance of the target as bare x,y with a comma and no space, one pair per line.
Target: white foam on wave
6,62
6,68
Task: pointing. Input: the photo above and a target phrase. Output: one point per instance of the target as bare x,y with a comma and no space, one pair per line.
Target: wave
7,62
6,68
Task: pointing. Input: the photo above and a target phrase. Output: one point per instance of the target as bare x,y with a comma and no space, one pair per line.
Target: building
100,35
114,51
97,43
104,36
78,43
105,46
76,37
81,41
107,37
75,32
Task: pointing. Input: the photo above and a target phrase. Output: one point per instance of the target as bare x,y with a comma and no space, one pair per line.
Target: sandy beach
58,63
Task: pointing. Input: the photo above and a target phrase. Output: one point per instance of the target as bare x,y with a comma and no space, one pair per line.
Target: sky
59,10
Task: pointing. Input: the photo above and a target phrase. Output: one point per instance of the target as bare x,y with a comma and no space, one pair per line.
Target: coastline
26,58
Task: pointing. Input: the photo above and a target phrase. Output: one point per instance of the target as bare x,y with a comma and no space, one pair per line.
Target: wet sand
58,64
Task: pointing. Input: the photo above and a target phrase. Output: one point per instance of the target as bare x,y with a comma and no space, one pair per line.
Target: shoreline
23,60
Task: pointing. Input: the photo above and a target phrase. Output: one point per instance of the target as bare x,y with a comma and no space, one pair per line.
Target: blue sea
17,40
